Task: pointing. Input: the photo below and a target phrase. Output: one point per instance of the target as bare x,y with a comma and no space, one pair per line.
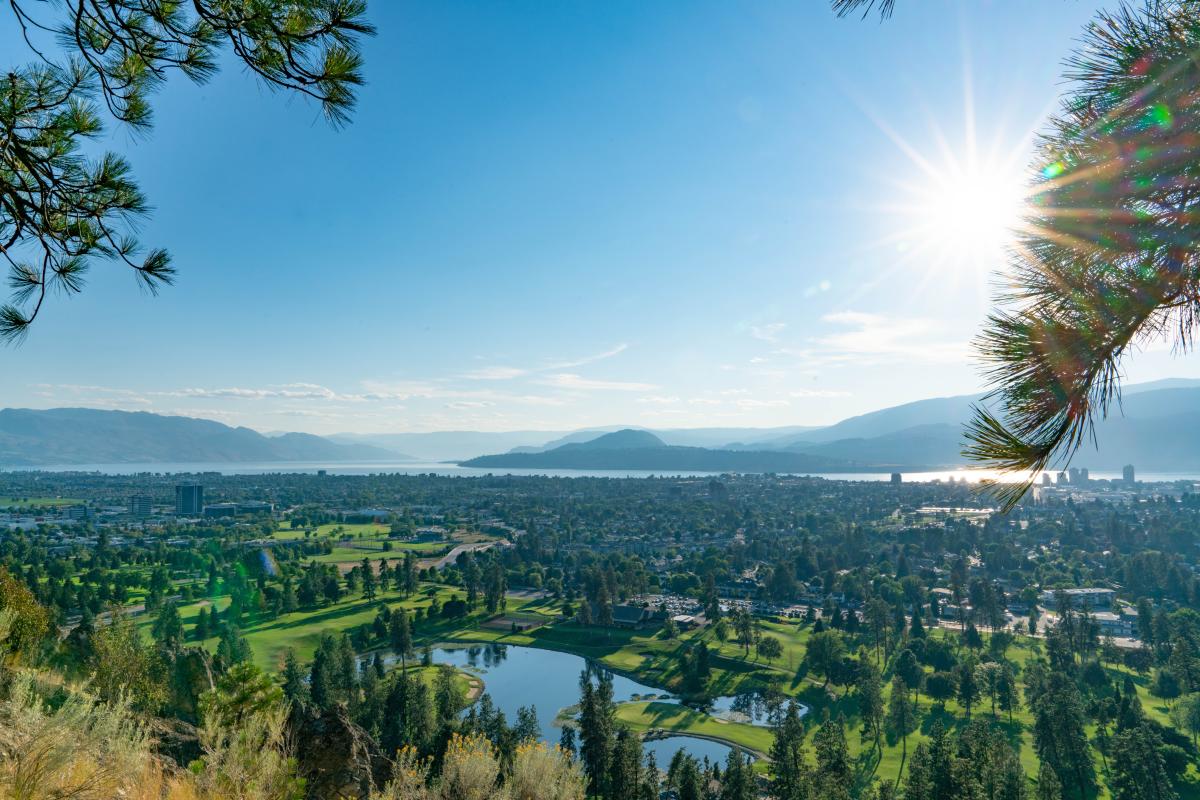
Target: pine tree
1049,787
869,691
738,781
790,773
902,717
368,580
400,633
625,770
295,688
1059,736
168,626
1138,768
597,731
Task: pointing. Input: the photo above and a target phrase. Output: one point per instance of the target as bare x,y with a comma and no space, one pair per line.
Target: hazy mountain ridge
631,449
459,445
1156,427
92,436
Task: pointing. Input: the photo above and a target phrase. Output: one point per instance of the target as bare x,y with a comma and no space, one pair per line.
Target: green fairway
37,502
654,716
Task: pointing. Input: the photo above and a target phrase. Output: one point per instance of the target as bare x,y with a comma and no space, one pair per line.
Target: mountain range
631,449
1156,427
92,436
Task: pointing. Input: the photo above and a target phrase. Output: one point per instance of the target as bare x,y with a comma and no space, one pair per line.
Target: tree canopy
62,210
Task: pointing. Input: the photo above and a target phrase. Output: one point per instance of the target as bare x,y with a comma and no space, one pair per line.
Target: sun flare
968,212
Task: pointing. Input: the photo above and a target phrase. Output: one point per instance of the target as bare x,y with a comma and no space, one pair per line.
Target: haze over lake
450,469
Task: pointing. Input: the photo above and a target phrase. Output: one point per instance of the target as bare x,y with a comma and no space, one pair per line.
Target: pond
548,680
751,708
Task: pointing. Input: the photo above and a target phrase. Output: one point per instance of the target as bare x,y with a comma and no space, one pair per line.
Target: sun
950,203
968,214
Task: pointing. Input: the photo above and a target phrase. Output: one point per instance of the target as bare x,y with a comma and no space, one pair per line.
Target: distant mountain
91,436
936,411
570,438
1165,383
1156,427
437,446
640,450
459,445
627,439
938,444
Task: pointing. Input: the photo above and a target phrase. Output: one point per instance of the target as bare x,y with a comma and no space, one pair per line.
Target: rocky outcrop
337,759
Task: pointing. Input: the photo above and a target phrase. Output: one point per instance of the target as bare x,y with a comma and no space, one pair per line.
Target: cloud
495,374
769,332
869,337
503,373
658,400
753,402
291,391
823,286
818,393
621,348
569,380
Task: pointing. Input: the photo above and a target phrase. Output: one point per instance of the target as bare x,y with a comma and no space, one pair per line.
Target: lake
452,470
548,680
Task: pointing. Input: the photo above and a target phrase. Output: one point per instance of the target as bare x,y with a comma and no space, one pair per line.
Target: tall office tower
189,499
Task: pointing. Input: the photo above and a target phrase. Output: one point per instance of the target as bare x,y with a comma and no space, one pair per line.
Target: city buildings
189,499
1090,597
221,510
140,505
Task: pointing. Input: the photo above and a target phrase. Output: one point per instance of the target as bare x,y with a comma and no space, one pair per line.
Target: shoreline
649,734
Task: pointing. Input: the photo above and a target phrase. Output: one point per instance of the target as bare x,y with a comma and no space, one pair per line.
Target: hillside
1156,427
459,445
91,436
639,450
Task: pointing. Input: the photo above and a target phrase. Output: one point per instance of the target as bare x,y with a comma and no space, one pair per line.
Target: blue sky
555,215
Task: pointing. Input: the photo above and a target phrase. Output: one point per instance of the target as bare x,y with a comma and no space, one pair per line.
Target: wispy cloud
754,402
292,391
497,373
569,380
592,359
866,338
769,332
823,393
503,372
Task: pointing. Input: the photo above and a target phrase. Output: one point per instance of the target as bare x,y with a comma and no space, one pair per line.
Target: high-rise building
1084,478
140,505
1046,479
1127,474
897,477
189,499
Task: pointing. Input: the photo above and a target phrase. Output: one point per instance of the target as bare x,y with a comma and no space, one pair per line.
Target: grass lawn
672,717
37,502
